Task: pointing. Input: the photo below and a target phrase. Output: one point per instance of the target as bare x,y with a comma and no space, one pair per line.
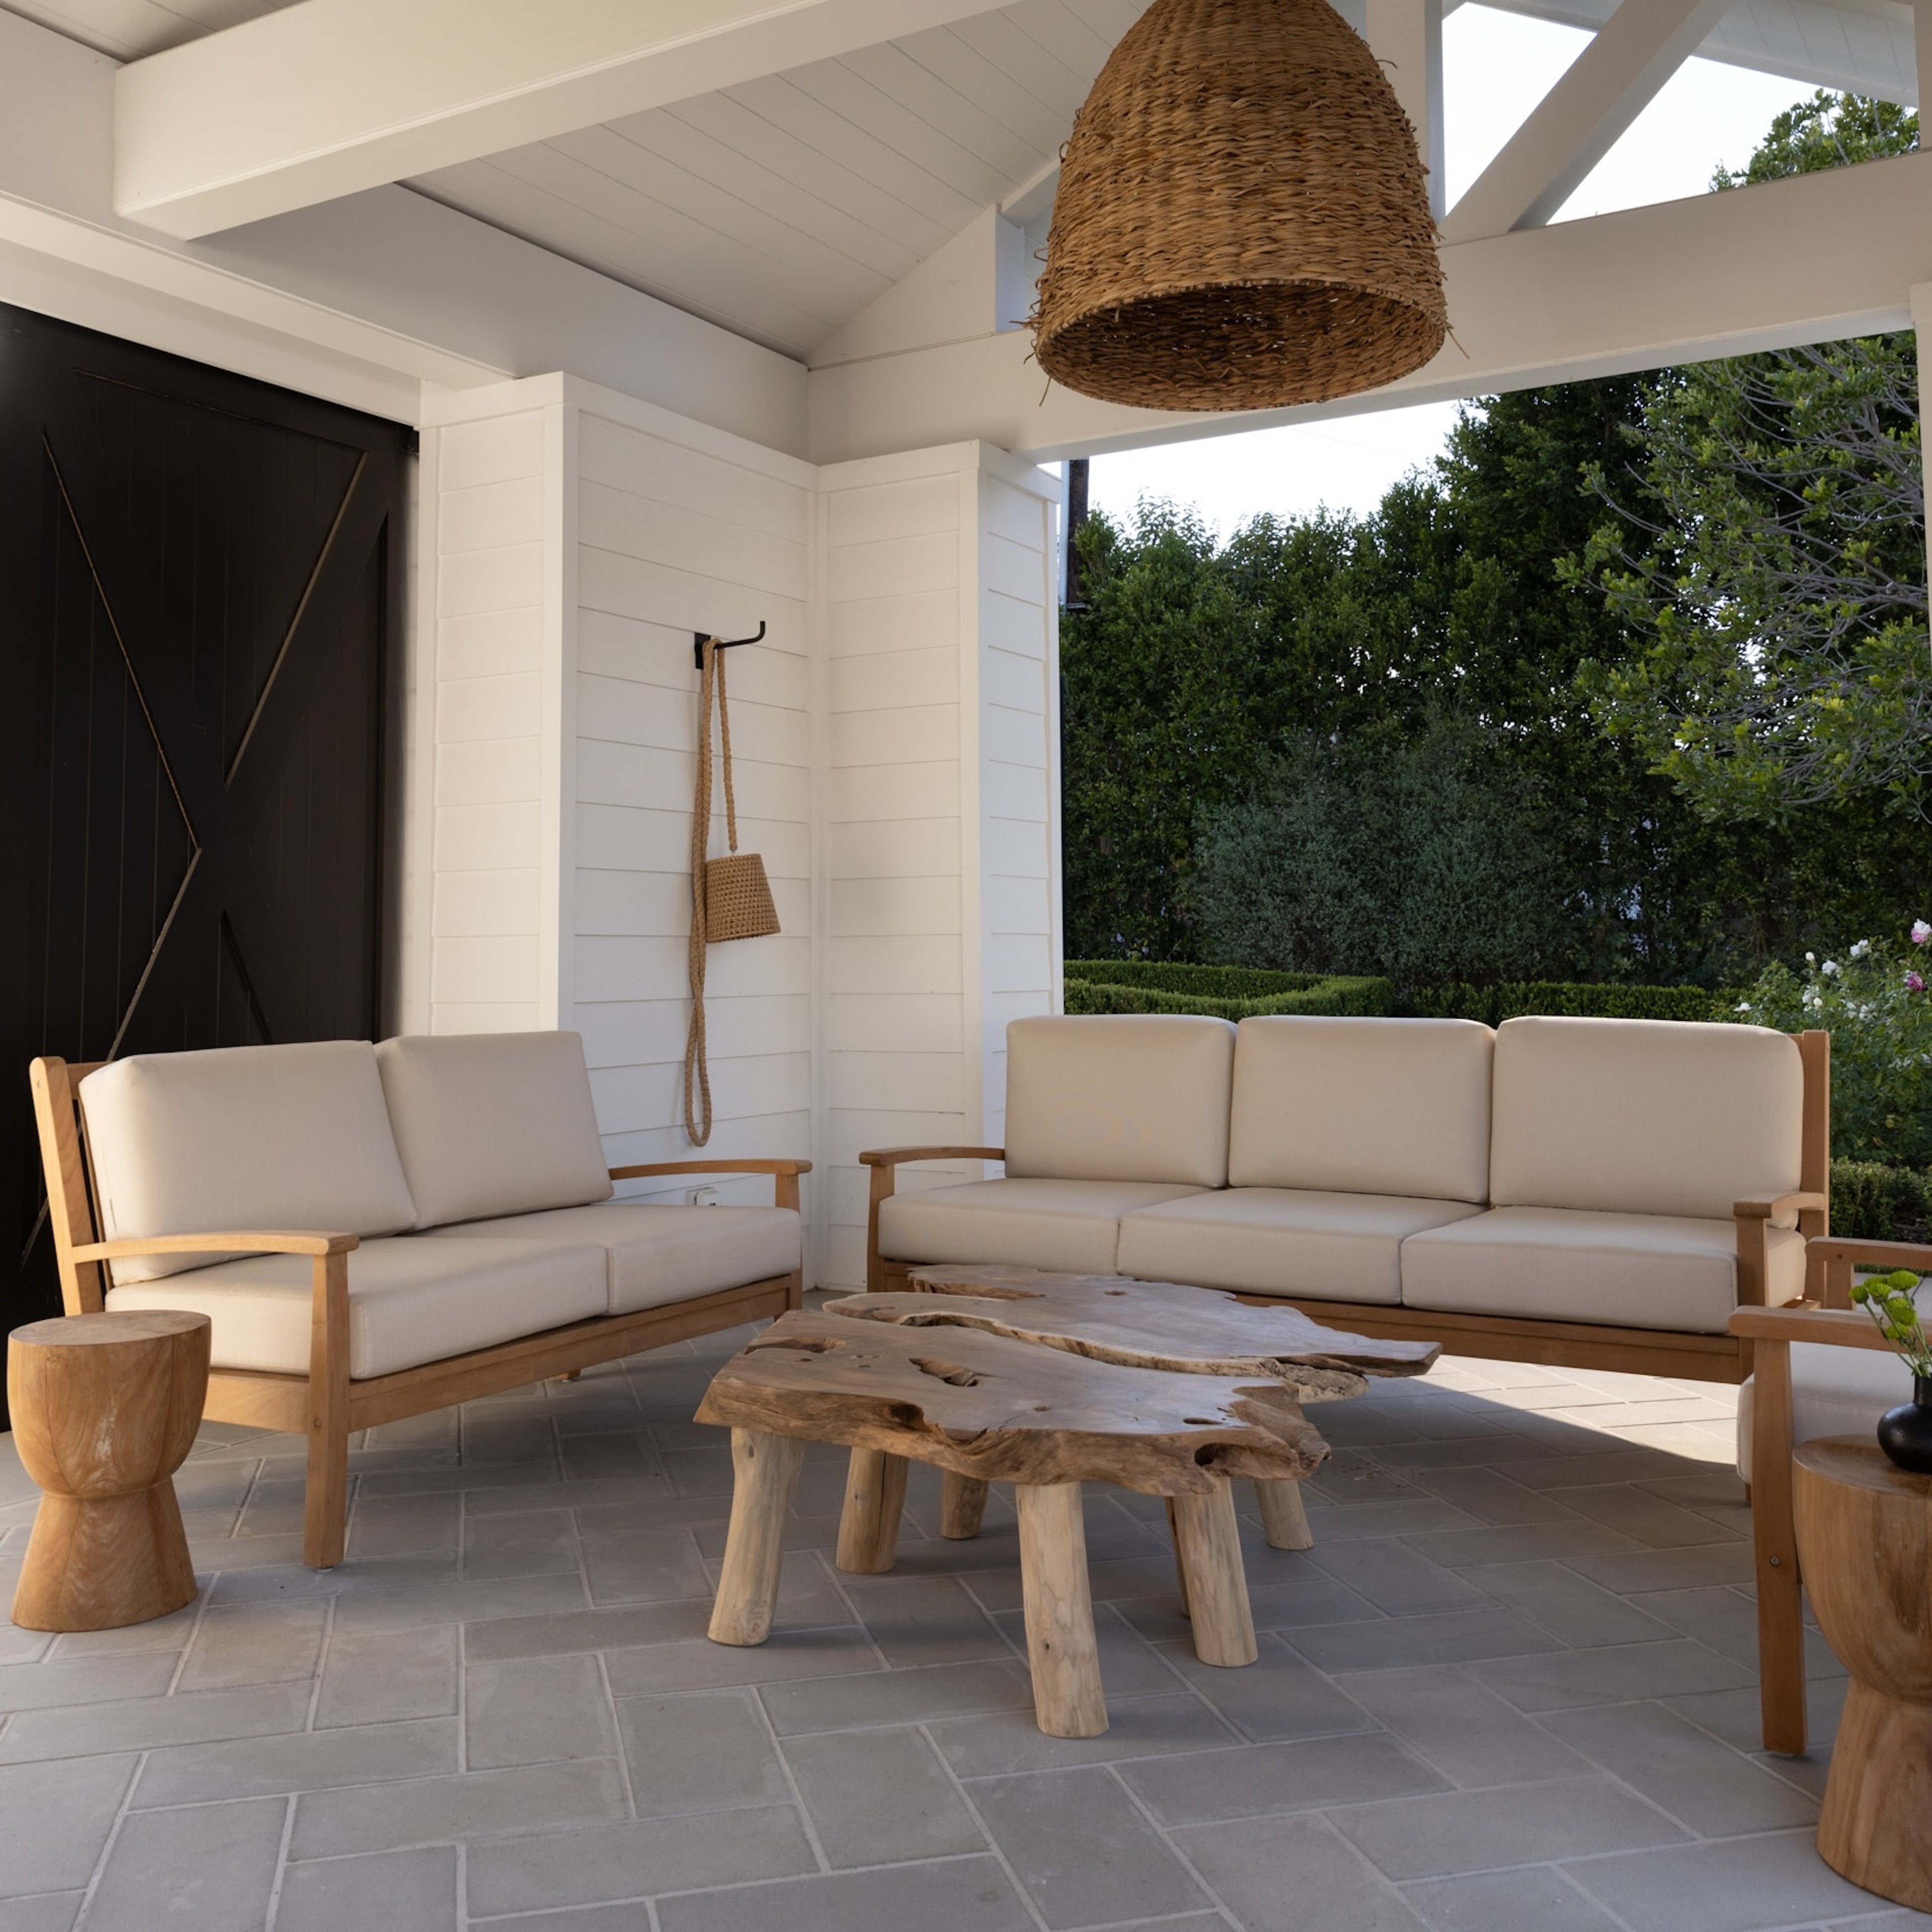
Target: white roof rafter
1581,118
330,96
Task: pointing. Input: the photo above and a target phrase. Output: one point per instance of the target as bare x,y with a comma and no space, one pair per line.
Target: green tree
1199,675
1412,855
1777,578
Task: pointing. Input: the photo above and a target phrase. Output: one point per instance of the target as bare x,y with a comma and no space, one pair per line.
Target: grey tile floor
1510,1687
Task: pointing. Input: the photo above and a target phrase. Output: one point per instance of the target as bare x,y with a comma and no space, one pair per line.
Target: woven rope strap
697,1071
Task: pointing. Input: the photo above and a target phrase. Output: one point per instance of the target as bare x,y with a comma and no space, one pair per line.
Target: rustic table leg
764,1473
1284,1519
868,1526
1067,1700
1208,1543
1180,1567
962,1503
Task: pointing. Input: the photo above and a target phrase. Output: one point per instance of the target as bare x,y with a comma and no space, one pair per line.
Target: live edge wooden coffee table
1045,1382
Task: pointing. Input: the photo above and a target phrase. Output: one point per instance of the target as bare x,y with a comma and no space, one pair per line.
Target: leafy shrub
1514,999
1415,858
1874,1201
1224,992
1873,1003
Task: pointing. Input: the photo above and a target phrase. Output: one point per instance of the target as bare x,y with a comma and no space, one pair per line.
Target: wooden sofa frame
1824,1317
326,1405
1573,1344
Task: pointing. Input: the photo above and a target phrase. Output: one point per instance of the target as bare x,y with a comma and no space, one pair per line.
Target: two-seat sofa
1604,1193
378,1230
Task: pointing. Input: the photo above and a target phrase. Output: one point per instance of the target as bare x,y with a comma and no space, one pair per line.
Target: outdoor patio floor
1511,1687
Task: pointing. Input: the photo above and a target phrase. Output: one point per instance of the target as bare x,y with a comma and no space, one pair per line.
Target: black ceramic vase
1905,1433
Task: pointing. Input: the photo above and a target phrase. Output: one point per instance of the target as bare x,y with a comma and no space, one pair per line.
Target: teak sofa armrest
1770,1207
1829,1263
885,1163
897,1157
255,1242
784,1173
1801,1321
1804,1208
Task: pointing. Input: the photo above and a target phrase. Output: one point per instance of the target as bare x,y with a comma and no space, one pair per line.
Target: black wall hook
724,643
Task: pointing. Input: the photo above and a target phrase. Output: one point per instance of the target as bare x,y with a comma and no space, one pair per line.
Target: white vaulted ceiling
780,207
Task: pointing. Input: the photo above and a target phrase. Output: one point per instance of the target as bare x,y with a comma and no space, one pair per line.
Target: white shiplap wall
483,870
895,744
940,814
681,529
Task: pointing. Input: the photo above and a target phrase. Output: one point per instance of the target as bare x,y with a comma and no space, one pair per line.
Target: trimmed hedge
1224,992
1235,992
1872,1201
1513,1000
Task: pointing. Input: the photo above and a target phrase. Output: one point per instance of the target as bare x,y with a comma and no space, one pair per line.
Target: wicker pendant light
1242,221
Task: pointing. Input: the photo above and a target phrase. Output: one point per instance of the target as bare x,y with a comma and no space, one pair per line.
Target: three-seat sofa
377,1232
1602,1193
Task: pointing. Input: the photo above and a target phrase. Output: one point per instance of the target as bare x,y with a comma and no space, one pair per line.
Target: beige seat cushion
1630,1270
1643,1117
292,1138
1070,1225
1834,1392
410,1301
1273,1240
1119,1096
1363,1106
660,1253
493,1123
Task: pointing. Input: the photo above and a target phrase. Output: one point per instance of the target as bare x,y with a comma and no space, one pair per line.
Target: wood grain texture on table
988,1407
1147,1324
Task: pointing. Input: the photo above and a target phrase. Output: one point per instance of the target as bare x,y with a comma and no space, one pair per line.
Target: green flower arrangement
1888,1299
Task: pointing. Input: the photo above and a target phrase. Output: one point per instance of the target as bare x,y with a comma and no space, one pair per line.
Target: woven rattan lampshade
1242,221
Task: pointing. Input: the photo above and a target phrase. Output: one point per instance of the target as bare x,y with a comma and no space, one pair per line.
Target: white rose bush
1874,1004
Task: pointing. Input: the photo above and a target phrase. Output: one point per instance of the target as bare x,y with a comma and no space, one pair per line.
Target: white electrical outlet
700,1197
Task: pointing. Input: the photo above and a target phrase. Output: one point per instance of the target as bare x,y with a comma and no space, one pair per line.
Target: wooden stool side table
105,1408
1864,1542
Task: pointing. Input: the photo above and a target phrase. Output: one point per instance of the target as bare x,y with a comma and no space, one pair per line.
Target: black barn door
197,592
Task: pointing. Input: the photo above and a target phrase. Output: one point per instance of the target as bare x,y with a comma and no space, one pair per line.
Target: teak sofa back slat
326,1405
1578,1344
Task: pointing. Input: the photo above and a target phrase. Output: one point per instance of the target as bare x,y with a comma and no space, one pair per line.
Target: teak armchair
326,1405
1824,1318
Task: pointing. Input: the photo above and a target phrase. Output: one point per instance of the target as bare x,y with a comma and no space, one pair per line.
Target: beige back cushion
1644,1117
493,1123
1363,1106
1119,1096
292,1138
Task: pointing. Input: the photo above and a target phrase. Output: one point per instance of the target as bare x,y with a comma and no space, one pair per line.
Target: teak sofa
1596,1193
378,1232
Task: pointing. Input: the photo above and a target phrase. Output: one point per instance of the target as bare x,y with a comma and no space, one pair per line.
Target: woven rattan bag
730,897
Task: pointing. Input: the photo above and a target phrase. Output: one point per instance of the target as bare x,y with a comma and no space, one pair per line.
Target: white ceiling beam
1811,259
1577,123
1406,36
327,97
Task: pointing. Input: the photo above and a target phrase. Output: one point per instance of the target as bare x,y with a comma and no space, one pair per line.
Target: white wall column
571,542
941,804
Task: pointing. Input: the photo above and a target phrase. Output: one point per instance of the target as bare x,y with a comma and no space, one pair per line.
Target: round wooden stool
105,1408
1864,1548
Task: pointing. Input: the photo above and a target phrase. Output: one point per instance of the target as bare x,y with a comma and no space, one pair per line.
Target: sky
1495,68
